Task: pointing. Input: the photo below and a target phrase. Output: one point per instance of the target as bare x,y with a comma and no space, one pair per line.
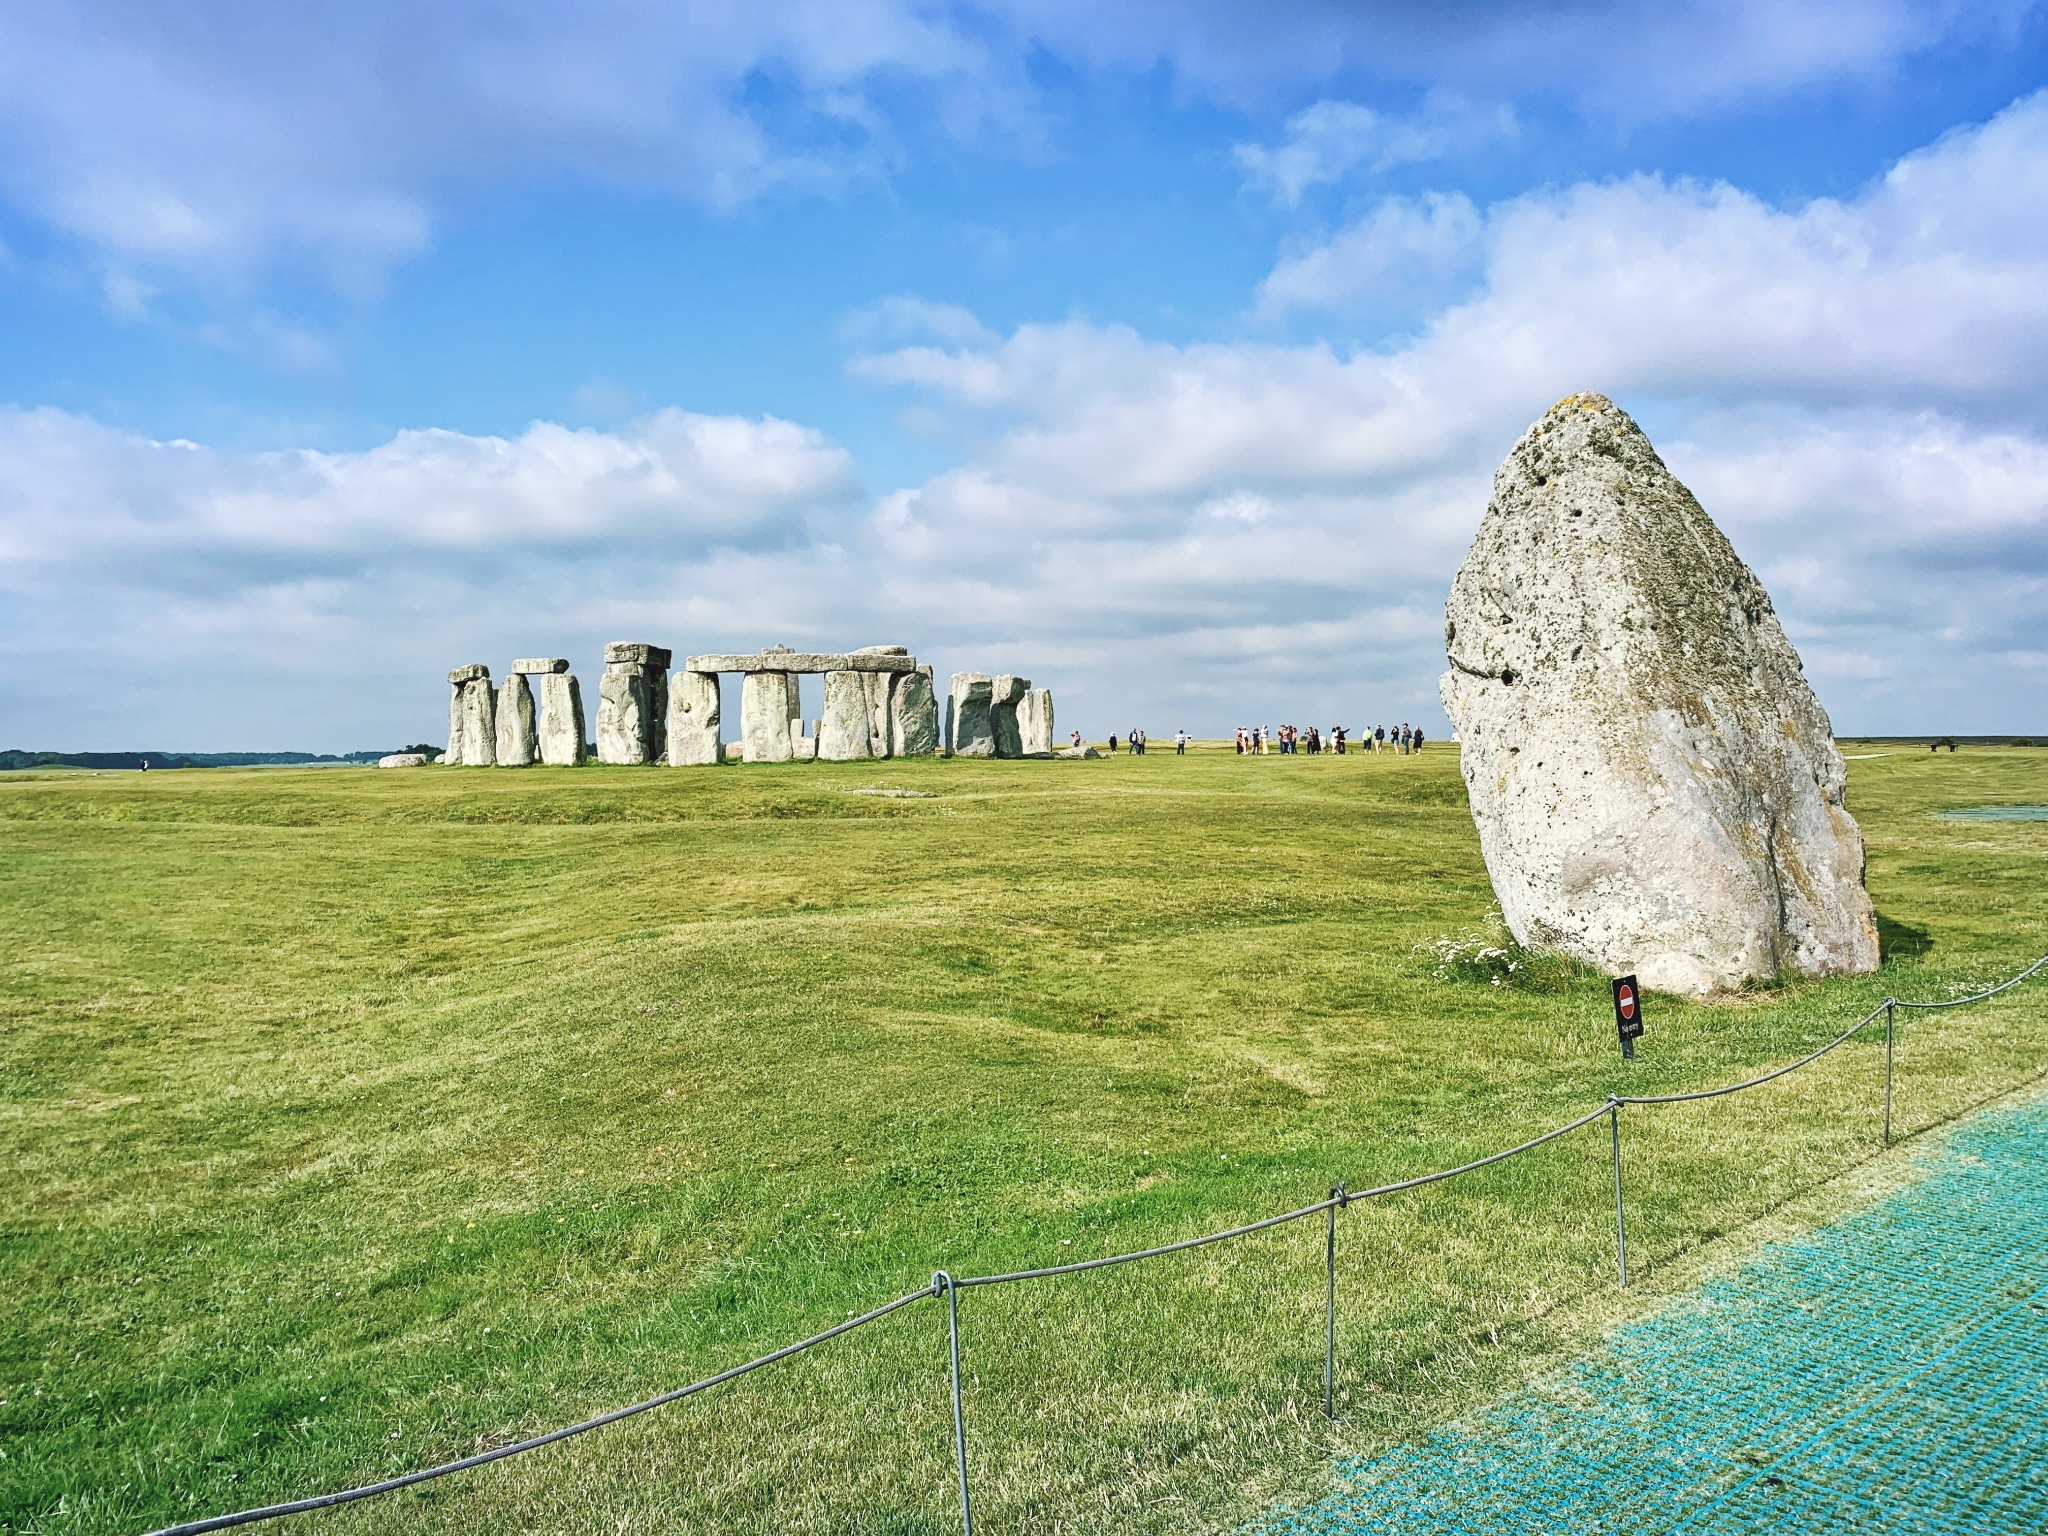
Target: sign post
1628,1013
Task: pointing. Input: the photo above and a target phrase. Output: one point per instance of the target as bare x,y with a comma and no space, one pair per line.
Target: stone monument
517,739
693,720
1655,786
969,730
1005,694
472,718
913,714
560,738
1034,723
632,703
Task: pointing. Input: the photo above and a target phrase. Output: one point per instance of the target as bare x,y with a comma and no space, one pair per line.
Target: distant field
354,1119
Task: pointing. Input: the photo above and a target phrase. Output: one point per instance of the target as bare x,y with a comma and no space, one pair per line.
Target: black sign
1628,1012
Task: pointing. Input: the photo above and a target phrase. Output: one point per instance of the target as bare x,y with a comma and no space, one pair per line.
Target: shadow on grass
1901,941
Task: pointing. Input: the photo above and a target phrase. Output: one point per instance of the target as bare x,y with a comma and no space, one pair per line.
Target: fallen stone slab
403,760
1077,752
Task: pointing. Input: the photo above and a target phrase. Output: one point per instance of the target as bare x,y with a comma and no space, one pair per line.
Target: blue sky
1162,353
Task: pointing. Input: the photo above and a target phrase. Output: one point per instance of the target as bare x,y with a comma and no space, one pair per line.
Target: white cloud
1330,140
202,146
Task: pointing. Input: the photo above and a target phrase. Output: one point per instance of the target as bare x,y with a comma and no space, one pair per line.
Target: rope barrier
947,1287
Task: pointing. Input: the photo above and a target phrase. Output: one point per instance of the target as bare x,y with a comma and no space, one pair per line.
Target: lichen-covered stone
624,712
969,732
764,717
1006,692
516,738
479,723
913,715
561,720
694,707
1655,786
845,728
1034,723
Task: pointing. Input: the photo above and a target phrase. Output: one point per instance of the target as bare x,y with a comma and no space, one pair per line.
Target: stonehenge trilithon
1005,694
561,720
1655,786
878,704
632,703
516,737
693,720
1034,723
969,731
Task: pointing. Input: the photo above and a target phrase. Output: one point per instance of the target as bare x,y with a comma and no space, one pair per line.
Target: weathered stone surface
454,753
804,749
657,712
913,715
694,707
1034,723
639,653
468,674
540,666
764,716
561,720
844,730
624,713
778,659
479,723
969,731
1005,693
516,739
1077,752
880,685
403,760
1656,788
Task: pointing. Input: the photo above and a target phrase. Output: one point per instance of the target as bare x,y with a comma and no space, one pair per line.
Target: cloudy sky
1162,352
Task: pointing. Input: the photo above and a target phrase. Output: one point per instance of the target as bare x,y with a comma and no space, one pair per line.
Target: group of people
1290,740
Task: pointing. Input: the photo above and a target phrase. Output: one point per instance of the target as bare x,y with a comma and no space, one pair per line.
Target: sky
1162,353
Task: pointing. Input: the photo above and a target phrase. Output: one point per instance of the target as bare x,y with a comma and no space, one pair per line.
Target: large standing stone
969,732
624,706
632,703
844,729
764,717
1034,723
457,680
561,720
1655,786
1005,694
880,686
479,723
913,715
693,720
516,740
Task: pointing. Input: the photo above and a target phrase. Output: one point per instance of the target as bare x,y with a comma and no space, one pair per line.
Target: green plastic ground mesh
1888,1373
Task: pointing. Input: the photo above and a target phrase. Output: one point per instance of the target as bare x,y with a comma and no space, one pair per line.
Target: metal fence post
1330,1307
1888,1071
1620,1226
942,1285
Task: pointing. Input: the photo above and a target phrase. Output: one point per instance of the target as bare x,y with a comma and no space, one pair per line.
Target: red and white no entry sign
1628,1013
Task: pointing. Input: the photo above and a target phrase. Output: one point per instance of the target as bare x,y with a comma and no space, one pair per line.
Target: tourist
1077,740
1379,738
1112,746
1337,732
1417,738
1180,743
1265,741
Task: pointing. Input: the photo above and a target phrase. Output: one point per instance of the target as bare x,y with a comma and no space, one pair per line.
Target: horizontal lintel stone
468,674
633,650
801,661
540,666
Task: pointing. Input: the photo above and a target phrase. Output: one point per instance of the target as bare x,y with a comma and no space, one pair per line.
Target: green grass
353,1120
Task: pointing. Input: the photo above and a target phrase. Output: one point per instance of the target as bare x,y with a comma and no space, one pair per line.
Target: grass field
356,1119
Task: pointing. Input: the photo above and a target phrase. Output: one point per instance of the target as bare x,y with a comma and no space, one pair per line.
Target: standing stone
632,703
561,720
623,705
880,685
460,678
693,720
1034,723
1656,788
913,715
969,732
764,717
516,739
844,729
479,722
1005,693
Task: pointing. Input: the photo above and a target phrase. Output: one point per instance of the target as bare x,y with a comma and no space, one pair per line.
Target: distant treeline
1943,741
15,758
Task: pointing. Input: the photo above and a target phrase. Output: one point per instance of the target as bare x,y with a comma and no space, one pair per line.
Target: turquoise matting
1888,1374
